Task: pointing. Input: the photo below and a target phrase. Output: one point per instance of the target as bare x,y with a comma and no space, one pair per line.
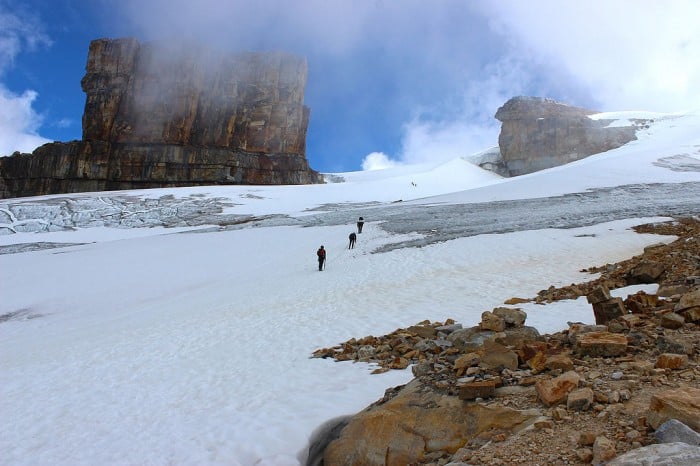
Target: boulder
469,339
576,329
495,356
690,299
514,317
682,404
689,306
560,362
518,336
672,290
603,450
480,389
601,344
665,454
672,320
609,310
554,391
423,331
667,344
580,399
671,361
490,321
600,294
646,272
674,430
414,423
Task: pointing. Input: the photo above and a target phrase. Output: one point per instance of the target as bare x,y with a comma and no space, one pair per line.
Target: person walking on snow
360,223
353,238
321,253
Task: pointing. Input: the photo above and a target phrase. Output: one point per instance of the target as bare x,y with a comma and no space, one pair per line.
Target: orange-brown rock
671,361
682,404
603,344
554,391
414,423
559,362
496,356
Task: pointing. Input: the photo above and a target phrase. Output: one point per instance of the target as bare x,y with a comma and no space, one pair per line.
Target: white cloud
19,123
630,55
377,161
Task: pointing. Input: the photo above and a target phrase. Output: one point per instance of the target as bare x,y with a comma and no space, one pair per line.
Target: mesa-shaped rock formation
160,115
539,133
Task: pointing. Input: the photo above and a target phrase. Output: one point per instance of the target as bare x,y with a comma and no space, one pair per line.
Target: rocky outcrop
416,422
539,133
159,116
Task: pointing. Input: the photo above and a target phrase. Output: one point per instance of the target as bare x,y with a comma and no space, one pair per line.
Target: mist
414,81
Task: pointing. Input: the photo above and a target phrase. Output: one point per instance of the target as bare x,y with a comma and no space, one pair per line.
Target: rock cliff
539,133
158,115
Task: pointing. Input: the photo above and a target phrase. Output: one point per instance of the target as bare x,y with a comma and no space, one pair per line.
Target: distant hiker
321,253
360,223
353,238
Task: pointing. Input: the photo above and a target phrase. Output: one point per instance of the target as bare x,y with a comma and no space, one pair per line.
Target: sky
139,344
390,82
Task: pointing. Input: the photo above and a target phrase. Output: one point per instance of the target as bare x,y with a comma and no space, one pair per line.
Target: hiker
360,223
321,253
353,238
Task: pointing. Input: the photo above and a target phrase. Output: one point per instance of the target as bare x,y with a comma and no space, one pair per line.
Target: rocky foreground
623,391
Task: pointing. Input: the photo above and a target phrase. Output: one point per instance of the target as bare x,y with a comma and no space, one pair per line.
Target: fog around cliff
411,80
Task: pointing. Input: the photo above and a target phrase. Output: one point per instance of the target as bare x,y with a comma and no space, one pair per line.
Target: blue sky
400,81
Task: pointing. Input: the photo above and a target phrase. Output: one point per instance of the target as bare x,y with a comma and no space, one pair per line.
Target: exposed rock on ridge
159,116
539,133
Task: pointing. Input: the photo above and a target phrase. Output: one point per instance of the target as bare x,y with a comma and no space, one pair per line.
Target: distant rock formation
539,133
158,115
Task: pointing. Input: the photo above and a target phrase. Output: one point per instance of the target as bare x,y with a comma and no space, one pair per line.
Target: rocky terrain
617,392
160,115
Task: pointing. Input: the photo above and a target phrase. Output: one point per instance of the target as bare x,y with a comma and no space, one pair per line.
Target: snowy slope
191,344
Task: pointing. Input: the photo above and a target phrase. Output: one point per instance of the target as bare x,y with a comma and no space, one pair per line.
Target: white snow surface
178,346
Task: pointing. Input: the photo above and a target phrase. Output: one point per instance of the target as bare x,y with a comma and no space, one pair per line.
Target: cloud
19,122
431,76
377,161
629,55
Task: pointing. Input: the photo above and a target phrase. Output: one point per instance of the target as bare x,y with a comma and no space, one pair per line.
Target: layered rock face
159,116
539,133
